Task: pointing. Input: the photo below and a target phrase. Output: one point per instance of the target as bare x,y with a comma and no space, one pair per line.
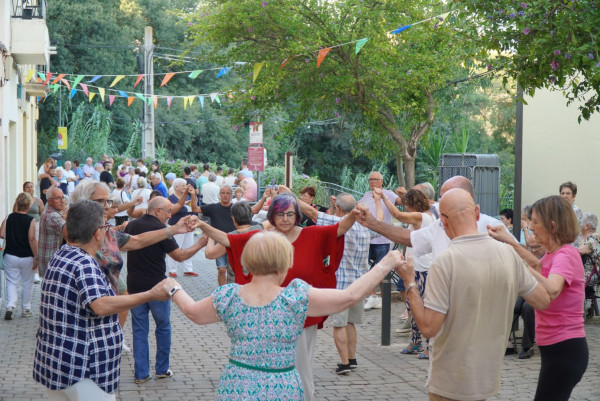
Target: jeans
161,312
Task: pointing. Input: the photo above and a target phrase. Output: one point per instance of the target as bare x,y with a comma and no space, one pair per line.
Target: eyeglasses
104,227
104,202
166,210
58,198
375,179
289,215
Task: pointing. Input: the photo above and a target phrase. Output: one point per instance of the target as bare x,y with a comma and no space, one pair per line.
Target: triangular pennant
201,98
194,74
137,81
58,78
191,99
130,100
54,87
123,94
257,68
360,44
169,100
73,92
283,63
101,90
212,97
41,75
116,80
155,100
142,98
167,78
442,18
48,77
84,88
322,55
111,99
29,75
217,99
96,77
91,96
64,81
400,29
223,71
78,80
185,102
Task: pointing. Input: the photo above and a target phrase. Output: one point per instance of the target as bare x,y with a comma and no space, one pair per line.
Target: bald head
157,203
457,181
458,213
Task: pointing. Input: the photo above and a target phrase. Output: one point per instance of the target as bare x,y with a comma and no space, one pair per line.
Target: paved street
199,353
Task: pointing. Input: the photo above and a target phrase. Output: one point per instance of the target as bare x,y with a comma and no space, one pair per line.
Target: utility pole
148,122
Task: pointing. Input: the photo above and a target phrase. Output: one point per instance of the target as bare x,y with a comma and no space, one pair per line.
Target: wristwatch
173,290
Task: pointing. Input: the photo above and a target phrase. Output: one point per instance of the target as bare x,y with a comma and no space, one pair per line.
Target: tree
544,44
390,83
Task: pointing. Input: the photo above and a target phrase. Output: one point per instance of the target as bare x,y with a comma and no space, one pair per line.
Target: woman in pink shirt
559,329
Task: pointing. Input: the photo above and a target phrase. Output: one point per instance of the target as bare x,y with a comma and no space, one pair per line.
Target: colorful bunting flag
185,102
123,94
116,80
64,81
58,78
167,78
360,44
191,99
283,63
201,98
217,98
91,96
194,74
169,100
48,77
41,76
54,88
400,29
142,98
78,80
130,100
73,92
212,97
96,77
29,75
84,87
223,71
111,99
101,90
442,18
155,101
137,81
257,68
322,55
149,100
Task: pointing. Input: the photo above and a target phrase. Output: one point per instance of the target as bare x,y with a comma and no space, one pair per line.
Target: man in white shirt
88,170
70,176
210,190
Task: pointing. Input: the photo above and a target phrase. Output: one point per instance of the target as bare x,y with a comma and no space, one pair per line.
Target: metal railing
29,9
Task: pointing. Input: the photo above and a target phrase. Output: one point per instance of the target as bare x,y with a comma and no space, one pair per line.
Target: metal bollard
386,309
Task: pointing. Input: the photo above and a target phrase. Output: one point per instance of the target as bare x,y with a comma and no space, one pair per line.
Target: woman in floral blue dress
264,320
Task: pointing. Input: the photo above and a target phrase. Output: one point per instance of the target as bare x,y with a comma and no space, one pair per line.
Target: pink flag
111,99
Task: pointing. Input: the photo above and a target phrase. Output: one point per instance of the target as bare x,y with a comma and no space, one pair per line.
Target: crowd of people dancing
284,266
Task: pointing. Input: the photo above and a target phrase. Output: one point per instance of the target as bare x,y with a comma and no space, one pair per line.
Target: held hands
203,241
182,226
392,261
377,194
362,214
406,270
160,292
499,233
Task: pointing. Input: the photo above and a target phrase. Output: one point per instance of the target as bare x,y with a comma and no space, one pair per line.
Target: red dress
317,255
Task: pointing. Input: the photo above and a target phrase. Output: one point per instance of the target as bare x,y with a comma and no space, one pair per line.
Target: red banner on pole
256,158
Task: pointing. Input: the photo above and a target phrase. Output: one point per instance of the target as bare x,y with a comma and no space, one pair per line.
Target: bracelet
411,285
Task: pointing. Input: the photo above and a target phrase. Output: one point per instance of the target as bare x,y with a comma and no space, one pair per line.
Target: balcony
30,40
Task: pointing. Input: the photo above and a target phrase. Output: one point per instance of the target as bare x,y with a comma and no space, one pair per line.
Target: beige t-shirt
475,283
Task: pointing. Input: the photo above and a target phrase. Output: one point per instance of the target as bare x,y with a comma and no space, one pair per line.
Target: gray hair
345,202
212,177
141,182
427,190
178,181
241,212
591,219
226,186
83,219
85,189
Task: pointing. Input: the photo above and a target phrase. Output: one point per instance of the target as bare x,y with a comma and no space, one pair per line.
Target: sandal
411,349
422,355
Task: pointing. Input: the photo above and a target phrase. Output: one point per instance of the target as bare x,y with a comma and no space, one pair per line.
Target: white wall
557,149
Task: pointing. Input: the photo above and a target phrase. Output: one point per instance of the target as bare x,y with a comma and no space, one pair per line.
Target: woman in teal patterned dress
264,320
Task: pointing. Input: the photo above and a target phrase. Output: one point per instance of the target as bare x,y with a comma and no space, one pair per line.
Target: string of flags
54,82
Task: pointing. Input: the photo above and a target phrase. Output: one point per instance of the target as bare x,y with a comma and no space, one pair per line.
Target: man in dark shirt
146,267
220,218
106,177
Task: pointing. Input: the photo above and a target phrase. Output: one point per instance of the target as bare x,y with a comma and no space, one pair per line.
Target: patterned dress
591,259
264,339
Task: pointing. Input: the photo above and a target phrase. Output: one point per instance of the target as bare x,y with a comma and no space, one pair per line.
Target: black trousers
563,366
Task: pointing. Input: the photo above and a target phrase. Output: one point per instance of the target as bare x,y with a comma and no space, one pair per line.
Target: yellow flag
117,79
101,90
257,68
191,98
29,75
442,18
185,102
92,96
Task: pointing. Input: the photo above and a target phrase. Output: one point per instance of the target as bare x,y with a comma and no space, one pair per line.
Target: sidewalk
199,353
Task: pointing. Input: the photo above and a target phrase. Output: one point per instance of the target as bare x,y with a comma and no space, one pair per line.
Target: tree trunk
399,169
409,171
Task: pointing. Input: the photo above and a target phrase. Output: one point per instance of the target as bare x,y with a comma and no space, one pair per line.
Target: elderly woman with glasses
318,251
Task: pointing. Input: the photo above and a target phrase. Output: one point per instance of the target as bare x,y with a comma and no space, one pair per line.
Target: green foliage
544,44
88,133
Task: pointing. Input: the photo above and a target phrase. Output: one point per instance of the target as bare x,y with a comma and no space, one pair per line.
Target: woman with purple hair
317,254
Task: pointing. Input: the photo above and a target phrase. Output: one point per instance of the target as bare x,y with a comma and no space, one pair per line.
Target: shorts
221,261
353,314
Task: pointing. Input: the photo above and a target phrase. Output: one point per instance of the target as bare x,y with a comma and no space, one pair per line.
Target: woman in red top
317,254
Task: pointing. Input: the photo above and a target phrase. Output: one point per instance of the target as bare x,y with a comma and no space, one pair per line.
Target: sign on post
62,137
256,133
256,158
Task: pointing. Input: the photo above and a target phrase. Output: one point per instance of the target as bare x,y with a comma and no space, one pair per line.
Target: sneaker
8,314
26,313
406,327
36,279
126,349
192,274
172,274
352,363
165,375
144,380
343,369
526,353
373,302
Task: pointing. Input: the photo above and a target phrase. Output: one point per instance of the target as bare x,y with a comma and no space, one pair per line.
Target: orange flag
167,78
130,100
58,78
64,81
155,100
137,81
322,55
